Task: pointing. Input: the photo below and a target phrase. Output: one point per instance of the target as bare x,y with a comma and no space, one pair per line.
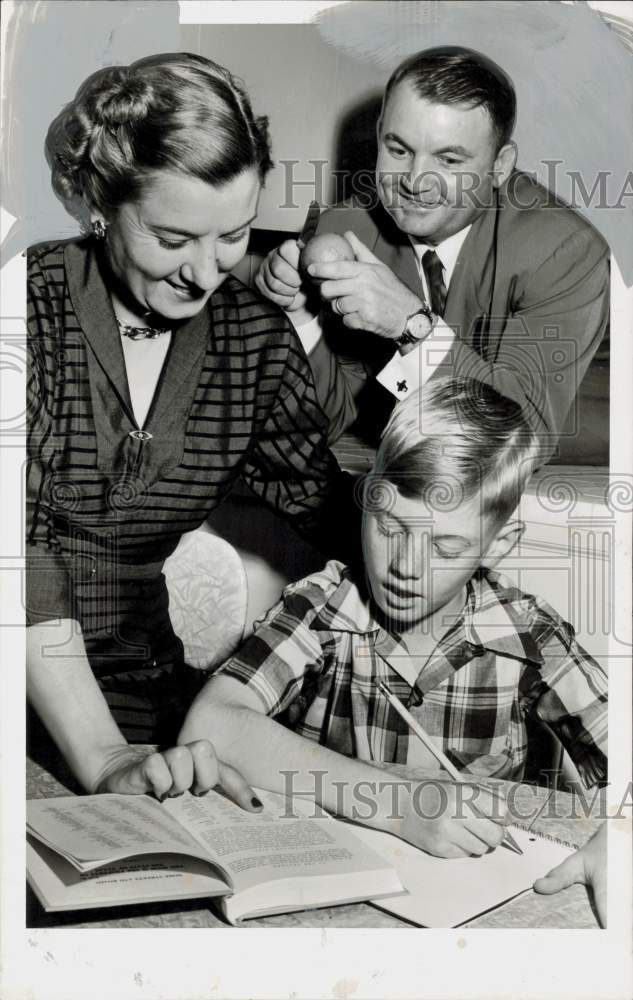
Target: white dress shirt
406,372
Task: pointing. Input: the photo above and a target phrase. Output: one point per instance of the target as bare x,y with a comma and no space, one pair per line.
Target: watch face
419,325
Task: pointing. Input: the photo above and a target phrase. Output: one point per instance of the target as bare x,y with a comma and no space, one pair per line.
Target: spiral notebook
447,892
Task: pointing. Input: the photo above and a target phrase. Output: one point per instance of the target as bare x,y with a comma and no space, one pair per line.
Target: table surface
556,817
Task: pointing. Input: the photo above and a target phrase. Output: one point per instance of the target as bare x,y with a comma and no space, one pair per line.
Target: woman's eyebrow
176,231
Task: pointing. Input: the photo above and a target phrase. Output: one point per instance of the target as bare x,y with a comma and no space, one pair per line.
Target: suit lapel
400,258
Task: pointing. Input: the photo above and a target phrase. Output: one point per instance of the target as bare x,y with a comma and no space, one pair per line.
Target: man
462,263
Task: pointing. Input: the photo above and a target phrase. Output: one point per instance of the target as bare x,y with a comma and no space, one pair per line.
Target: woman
156,380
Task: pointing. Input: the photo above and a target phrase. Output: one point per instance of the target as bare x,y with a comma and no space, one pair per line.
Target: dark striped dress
106,505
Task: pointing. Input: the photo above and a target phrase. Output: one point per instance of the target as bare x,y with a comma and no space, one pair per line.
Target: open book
111,850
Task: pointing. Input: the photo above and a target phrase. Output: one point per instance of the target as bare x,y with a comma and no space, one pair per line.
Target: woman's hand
453,820
135,771
587,866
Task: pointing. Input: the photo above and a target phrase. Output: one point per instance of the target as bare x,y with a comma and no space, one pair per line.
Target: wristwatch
417,326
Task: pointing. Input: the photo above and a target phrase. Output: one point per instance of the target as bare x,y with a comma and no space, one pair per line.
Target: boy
465,652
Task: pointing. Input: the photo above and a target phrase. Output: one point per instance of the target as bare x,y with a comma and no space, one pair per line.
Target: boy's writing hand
587,866
453,820
137,771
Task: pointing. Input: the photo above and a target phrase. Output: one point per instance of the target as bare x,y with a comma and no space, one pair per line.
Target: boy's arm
431,815
574,703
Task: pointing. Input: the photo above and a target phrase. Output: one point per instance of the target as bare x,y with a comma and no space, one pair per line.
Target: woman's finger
237,788
283,263
180,764
205,766
153,775
290,252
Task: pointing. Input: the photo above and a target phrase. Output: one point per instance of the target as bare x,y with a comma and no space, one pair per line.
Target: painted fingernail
197,792
256,803
161,798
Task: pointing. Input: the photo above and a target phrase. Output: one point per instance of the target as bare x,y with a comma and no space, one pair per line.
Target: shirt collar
447,250
347,610
493,617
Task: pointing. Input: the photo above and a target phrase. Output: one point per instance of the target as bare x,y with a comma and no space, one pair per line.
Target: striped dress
106,505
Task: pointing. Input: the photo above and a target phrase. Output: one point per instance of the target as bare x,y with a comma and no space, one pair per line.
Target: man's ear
503,543
504,164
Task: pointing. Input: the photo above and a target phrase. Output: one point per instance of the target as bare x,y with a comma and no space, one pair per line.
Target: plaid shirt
317,655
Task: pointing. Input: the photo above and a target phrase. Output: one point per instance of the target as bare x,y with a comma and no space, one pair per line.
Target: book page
259,847
92,830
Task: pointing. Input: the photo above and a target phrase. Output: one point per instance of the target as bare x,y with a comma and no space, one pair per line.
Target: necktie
434,272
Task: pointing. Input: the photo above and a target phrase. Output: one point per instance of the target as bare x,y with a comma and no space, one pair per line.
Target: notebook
447,892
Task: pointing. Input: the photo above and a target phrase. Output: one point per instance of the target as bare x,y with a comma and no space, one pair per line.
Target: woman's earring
99,229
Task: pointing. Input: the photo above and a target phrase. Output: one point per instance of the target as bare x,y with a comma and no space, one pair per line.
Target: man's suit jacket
528,301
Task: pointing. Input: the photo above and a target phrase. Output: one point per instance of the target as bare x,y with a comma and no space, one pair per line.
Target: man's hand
136,771
280,281
587,866
453,820
366,293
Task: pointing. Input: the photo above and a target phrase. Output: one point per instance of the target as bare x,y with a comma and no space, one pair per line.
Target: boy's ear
503,543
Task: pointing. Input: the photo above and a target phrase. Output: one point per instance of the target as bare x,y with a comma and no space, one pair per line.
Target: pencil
416,728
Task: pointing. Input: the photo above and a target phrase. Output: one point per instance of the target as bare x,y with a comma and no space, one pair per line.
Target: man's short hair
455,438
455,75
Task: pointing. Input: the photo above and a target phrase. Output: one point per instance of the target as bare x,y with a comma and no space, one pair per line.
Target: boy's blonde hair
457,437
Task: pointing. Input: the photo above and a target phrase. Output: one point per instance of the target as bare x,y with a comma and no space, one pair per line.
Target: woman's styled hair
453,75
176,112
455,438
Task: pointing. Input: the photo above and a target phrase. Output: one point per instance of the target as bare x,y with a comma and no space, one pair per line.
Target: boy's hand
194,766
453,820
587,866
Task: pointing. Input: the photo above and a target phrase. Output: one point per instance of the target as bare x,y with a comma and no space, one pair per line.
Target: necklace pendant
140,332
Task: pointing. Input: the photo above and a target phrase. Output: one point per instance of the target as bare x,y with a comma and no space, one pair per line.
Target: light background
341,964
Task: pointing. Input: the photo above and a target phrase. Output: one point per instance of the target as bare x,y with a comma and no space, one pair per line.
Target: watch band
409,334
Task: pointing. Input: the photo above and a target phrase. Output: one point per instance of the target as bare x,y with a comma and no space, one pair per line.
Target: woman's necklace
140,332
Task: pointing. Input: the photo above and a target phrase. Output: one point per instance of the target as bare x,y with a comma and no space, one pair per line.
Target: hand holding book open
195,766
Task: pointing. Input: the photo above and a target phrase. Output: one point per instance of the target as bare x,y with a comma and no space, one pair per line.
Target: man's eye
397,151
172,244
449,161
